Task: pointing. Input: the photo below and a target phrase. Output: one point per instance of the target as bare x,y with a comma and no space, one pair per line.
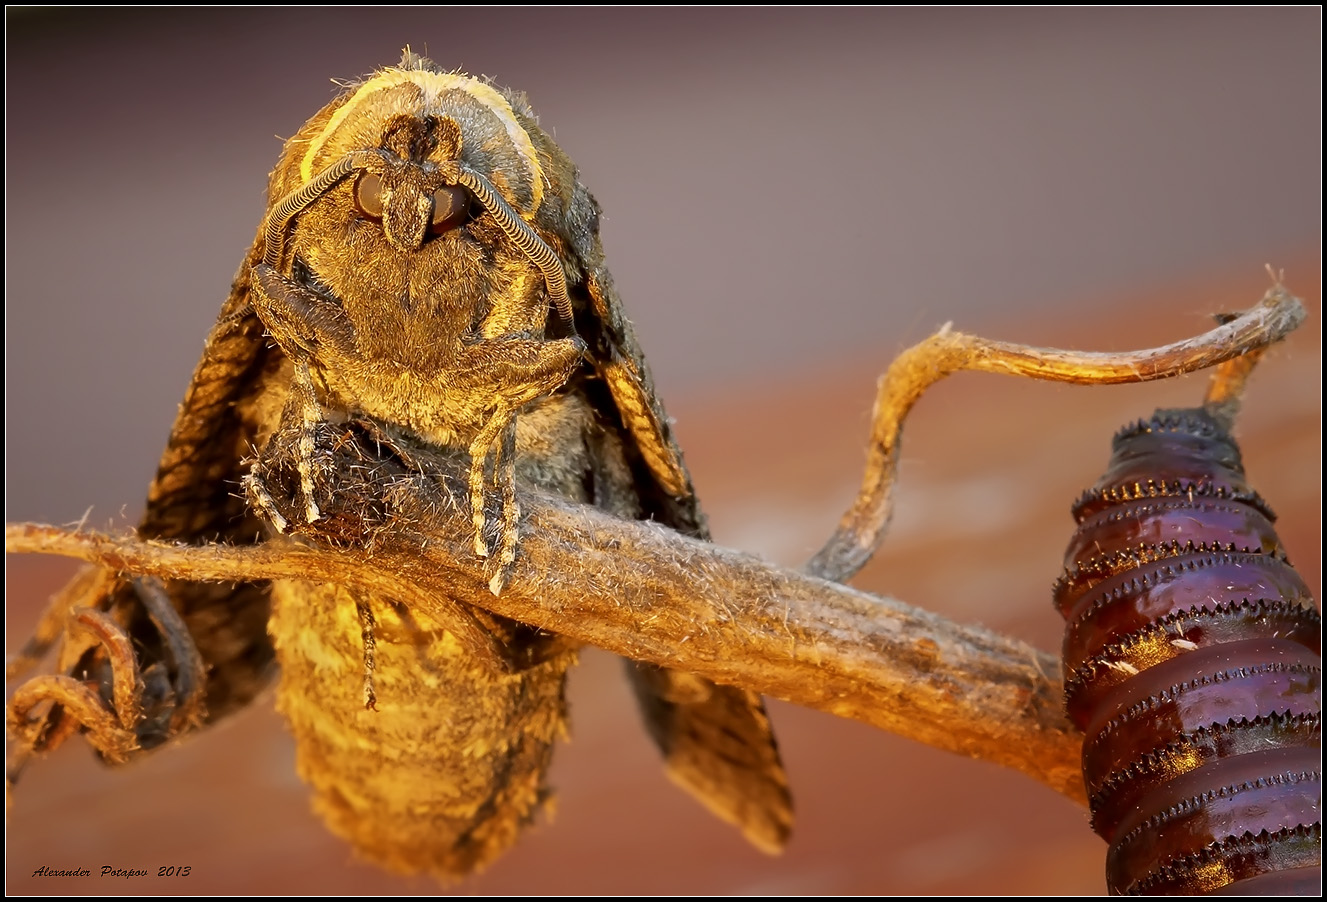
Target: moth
1193,662
429,272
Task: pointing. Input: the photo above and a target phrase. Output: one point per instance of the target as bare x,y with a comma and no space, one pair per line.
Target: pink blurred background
791,198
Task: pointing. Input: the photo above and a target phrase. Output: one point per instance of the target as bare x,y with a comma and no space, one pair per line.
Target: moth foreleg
309,328
310,416
483,446
517,370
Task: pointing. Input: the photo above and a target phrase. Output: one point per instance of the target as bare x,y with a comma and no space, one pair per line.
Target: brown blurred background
791,198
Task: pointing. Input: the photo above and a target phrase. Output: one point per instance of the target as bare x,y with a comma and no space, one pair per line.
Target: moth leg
309,328
485,445
369,638
303,409
504,471
306,415
268,509
189,688
311,415
520,370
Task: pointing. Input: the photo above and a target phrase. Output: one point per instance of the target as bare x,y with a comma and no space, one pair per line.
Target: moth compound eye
451,209
368,195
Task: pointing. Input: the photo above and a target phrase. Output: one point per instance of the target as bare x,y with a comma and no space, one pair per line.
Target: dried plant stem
862,527
89,584
651,594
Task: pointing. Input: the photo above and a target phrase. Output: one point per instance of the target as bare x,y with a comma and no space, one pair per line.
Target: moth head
413,192
422,152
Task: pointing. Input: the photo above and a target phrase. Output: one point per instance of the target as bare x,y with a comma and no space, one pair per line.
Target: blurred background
791,198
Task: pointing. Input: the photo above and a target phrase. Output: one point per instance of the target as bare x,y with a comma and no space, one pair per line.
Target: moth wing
718,744
716,740
232,405
195,498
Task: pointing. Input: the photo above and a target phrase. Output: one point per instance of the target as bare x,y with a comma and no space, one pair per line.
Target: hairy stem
651,594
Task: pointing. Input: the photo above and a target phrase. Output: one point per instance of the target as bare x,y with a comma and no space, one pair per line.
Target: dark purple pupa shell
1192,663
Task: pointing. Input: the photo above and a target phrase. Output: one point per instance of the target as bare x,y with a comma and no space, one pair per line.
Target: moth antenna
520,232
299,200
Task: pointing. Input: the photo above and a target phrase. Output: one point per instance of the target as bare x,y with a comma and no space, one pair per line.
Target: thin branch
87,584
651,594
862,527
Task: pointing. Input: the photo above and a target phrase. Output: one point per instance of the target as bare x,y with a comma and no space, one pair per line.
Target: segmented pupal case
1192,664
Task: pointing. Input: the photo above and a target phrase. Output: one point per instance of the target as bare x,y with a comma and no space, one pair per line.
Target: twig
862,527
652,594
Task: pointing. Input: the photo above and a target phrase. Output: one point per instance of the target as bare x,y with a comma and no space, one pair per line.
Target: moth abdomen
1192,663
450,767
